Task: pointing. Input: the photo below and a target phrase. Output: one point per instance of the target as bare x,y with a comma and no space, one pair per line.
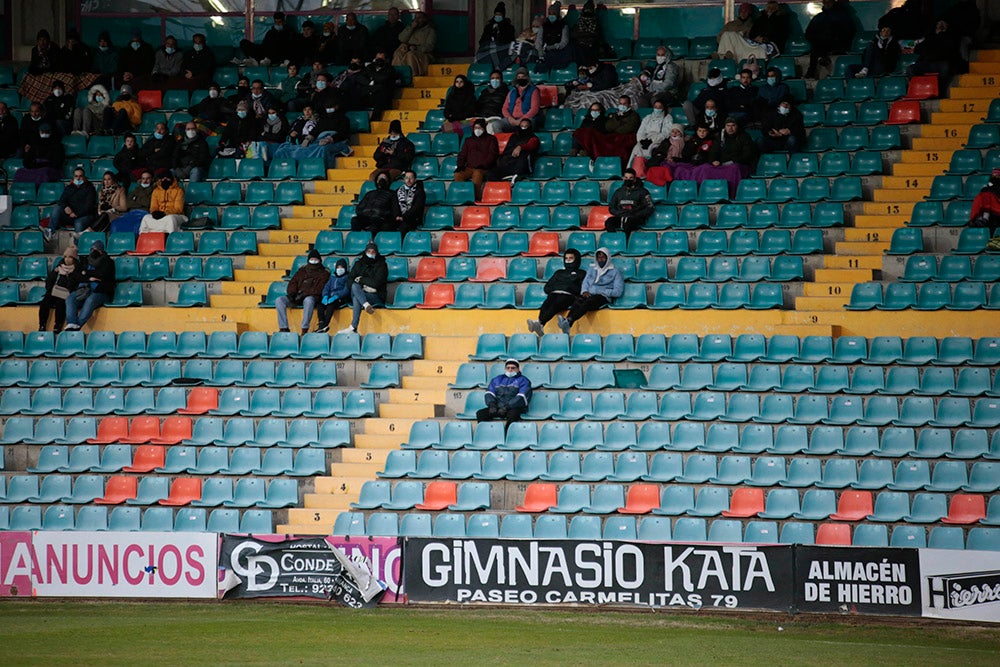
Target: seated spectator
665,78
831,31
491,99
411,199
378,210
741,25
166,207
75,56
302,125
381,79
212,111
656,169
715,90
43,158
60,284
552,42
772,92
516,159
618,136
90,119
96,287
352,40
168,66
274,129
125,114
45,56
289,87
105,60
10,139
192,156
630,206
594,121
702,148
308,45
523,101
907,21
494,43
459,105
879,57
260,100
561,290
710,117
653,131
394,154
348,88
111,203
591,78
601,286
939,54
137,204
158,151
522,50
741,100
241,130
587,38
77,206
276,47
242,93
783,129
416,45
369,277
328,43
336,294
59,109
325,135
31,125
305,289
477,156
197,65
385,38
730,157
135,60
986,206
507,397
129,161
758,37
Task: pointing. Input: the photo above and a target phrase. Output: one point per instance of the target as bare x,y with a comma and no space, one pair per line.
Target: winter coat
9,135
793,121
193,153
622,123
771,96
508,392
490,103
59,108
139,199
741,100
401,156
308,281
478,152
201,64
379,204
610,284
167,64
460,102
371,273
129,159
170,201
112,200
159,153
98,266
568,279
337,287
138,63
95,107
45,153
497,33
739,148
132,108
70,280
81,199
632,202
424,37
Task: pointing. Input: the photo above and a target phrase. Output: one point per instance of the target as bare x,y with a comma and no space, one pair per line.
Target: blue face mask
136,45
771,80
158,135
595,114
99,98
510,374
622,108
551,18
498,18
169,50
272,117
321,84
78,181
241,114
494,83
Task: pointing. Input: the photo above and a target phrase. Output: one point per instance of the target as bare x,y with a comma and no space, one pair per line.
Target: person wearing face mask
552,43
336,294
656,169
702,148
601,286
745,14
9,133
523,101
653,131
135,59
192,156
879,58
125,114
459,104
591,79
77,206
323,93
369,277
59,109
43,158
328,43
494,43
385,38
772,92
305,289
491,98
275,126
352,40
97,287
308,44
90,119
111,203
324,133
666,74
137,203
507,396
630,206
213,110
710,117
198,64
477,156
31,122
715,90
593,123
412,199
517,157
260,100
394,154
618,136
75,56
561,290
939,53
741,100
522,50
783,129
60,284
730,157
168,64
378,210
241,129
276,47
381,81
166,207
416,45
105,60
158,151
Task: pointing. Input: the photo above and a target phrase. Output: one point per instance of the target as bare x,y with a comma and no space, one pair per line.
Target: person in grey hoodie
601,286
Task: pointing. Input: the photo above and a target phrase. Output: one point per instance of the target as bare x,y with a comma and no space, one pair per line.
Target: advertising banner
385,555
598,572
122,565
960,585
857,580
16,564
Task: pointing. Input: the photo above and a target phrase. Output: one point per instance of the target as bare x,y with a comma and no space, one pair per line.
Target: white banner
125,565
961,585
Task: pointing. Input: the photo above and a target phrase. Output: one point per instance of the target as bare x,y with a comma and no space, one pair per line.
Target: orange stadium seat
494,192
475,217
922,87
853,506
110,430
438,296
174,431
149,243
745,503
543,244
538,498
200,401
965,508
147,458
452,244
118,489
595,221
904,112
641,499
429,269
142,431
833,534
490,269
183,491
438,495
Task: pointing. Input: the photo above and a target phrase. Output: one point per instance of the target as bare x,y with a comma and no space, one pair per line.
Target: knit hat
340,263
97,246
308,24
395,126
479,122
731,119
126,89
314,254
501,8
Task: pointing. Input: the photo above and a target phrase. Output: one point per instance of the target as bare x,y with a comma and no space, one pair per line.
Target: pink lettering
107,564
175,555
194,554
53,562
132,576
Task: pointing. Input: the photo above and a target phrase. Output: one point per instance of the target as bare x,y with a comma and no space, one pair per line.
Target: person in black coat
492,97
45,56
214,109
369,280
352,40
77,206
783,129
459,105
494,43
516,158
59,108
9,133
939,54
260,100
43,158
192,156
378,210
75,57
129,161
308,45
561,290
630,206
383,79
394,154
385,38
879,57
412,199
243,127
158,151
198,65
771,25
278,45
741,100
97,287
135,59
66,276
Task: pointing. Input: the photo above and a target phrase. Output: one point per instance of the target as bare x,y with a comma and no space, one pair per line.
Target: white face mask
198,47
478,131
136,45
57,92
710,113
660,60
44,135
330,110
370,255
213,94
340,271
314,261
191,134
510,374
784,111
169,50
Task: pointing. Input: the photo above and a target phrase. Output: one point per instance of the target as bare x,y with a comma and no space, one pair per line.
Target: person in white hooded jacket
653,131
601,286
90,119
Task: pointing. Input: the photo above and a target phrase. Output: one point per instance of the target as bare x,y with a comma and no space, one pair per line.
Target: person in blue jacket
507,396
336,295
602,285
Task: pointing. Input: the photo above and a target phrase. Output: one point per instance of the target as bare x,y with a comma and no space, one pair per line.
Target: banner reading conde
598,572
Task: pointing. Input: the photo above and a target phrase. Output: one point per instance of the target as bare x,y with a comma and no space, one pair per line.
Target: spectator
307,49
561,290
783,129
710,117
715,90
277,46
90,119
274,129
382,80
459,105
516,159
198,64
907,21
168,65
378,210
986,206
242,93
322,134
75,57
59,109
492,97
369,277
758,41
394,154
601,286
741,100
136,59
593,122
305,289
411,199
939,54
302,125
653,131
616,139
125,114
328,43
352,40
740,25
137,203
77,206
260,100
111,203
385,39
552,42
592,78
129,161
772,26
192,156
349,88
166,207
105,60
494,43
212,111
830,31
729,157
336,294
700,149
656,169
10,139
43,158
31,125
477,156
242,129
630,206
772,92
289,86
879,57
507,397
522,50
736,147
45,55
97,287
586,35
523,101
664,83
416,45
158,151
60,284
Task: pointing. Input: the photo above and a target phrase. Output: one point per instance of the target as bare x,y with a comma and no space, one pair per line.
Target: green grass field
260,633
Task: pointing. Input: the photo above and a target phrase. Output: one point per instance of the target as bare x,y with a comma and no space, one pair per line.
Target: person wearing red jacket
478,155
986,206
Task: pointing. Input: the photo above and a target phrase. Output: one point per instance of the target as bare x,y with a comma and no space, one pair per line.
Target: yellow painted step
326,212
369,441
340,486
869,221
416,396
978,105
309,224
854,262
986,55
366,470
820,303
259,275
938,145
346,175
381,127
282,249
298,529
410,94
861,248
842,275
434,367
838,290
954,118
417,411
357,455
329,200
931,155
908,182
918,169
973,92
449,348
425,382
234,301
312,518
255,262
319,501
398,427
945,131
805,327
340,187
440,79
423,105
367,142
285,236
873,208
983,66
245,288
446,69
977,80
912,195
345,164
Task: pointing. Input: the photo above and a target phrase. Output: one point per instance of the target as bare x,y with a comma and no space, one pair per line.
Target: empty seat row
226,193
151,269
925,296
802,165
157,519
923,268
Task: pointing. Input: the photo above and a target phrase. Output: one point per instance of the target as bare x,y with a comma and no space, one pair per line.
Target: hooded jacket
771,96
167,64
460,102
159,153
95,107
607,282
401,156
478,152
337,287
170,201
634,202
508,392
371,273
739,148
308,281
568,279
98,265
379,204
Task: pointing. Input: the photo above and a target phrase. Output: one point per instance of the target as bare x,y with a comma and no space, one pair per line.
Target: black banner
598,572
857,580
285,568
